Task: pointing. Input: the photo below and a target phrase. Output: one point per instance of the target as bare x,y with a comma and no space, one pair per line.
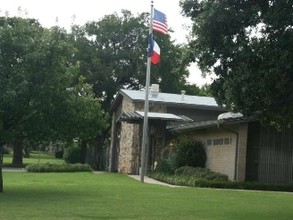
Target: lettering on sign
219,141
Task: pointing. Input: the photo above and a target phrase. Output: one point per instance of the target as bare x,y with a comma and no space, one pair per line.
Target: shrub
72,154
197,182
200,173
190,153
59,154
166,165
49,167
6,150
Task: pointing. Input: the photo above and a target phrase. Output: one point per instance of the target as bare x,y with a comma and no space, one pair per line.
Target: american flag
160,22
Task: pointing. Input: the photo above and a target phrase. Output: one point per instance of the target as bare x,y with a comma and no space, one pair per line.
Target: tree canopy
42,96
112,55
58,85
39,100
248,45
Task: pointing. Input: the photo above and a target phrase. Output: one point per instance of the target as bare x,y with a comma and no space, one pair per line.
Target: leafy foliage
5,150
220,184
167,165
48,167
201,173
42,99
184,153
112,55
248,45
72,154
190,153
59,154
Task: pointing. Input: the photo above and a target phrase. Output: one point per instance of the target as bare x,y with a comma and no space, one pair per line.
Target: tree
190,153
42,98
1,162
19,41
111,54
192,89
248,45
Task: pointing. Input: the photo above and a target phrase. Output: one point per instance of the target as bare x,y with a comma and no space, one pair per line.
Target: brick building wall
221,147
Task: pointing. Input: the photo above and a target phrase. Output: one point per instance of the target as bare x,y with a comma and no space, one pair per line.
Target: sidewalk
151,181
11,169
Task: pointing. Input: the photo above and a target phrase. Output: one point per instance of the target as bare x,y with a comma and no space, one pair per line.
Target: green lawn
35,157
114,196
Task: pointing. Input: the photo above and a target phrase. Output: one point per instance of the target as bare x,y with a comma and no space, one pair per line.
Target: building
244,149
127,122
240,147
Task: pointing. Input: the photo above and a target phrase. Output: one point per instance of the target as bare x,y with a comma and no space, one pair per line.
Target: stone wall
129,148
130,140
158,108
129,155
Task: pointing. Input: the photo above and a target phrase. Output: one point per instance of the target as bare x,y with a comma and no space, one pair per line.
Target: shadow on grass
23,194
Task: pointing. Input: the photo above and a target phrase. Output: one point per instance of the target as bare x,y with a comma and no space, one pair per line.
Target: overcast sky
79,12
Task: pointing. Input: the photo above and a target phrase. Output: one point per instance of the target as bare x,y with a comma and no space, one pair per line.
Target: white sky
92,10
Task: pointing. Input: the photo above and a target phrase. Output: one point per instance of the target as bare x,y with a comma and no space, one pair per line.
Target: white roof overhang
139,115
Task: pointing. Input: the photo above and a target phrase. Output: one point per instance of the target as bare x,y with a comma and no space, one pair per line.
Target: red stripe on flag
155,58
160,22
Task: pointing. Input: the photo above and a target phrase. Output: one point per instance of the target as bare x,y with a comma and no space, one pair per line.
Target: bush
197,182
166,165
190,153
6,150
200,173
59,154
48,167
72,154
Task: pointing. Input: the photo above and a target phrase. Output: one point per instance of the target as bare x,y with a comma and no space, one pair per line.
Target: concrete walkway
11,169
151,181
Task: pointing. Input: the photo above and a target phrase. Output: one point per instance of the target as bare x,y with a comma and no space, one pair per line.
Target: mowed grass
35,157
115,196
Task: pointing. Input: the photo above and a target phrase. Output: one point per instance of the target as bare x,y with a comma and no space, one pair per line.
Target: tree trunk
1,161
17,153
27,151
99,147
83,149
1,178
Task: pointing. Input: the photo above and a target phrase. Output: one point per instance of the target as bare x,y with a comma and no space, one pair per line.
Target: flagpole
146,109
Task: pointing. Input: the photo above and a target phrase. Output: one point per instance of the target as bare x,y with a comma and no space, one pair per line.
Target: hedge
49,167
198,182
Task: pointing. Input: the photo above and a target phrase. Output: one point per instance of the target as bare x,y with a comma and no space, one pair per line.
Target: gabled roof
169,99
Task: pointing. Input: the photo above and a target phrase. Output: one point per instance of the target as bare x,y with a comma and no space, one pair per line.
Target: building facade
164,109
240,147
244,149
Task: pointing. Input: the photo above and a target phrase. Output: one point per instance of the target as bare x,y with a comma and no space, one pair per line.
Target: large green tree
42,97
248,45
111,54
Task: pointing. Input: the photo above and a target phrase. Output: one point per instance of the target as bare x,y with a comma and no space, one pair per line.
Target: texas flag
155,58
153,50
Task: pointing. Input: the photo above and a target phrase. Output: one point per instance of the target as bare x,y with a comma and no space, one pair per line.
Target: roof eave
205,107
208,124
